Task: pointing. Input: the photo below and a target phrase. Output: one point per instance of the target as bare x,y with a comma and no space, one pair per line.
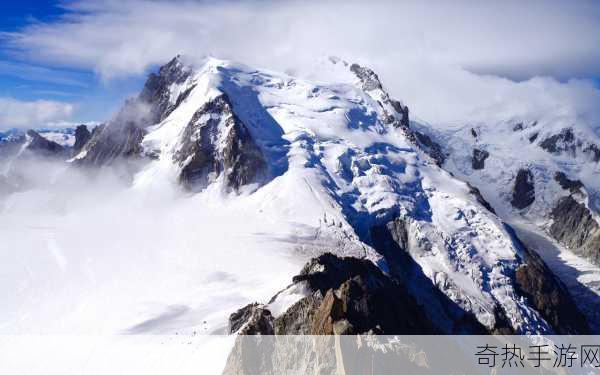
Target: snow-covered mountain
540,174
302,168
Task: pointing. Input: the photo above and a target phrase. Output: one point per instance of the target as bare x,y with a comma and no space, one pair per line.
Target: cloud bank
32,114
447,60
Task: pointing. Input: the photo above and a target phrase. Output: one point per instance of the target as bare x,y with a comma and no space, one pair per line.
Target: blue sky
76,61
30,80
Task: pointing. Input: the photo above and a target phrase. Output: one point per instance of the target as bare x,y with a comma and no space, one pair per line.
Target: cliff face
344,296
121,137
524,189
574,226
216,142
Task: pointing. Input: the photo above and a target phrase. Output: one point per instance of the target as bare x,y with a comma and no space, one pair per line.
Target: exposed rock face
41,146
561,142
348,296
533,137
566,183
593,150
533,280
111,142
216,142
122,136
252,319
524,189
549,296
82,136
392,241
567,142
473,190
479,156
396,114
430,147
574,226
369,79
370,82
156,89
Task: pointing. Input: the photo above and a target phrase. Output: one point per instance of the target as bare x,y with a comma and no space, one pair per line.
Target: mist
89,253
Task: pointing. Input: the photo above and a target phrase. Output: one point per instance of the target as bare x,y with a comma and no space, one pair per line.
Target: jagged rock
41,146
473,133
82,136
111,142
524,189
370,82
369,79
574,226
122,136
430,147
561,142
535,281
156,89
252,319
594,150
567,142
348,296
216,142
566,183
398,114
533,137
479,156
473,190
518,127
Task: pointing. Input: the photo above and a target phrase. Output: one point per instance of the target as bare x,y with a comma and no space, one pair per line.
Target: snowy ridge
551,147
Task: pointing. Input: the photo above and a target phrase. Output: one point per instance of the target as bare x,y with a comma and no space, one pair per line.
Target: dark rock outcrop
566,183
368,78
217,142
547,294
524,189
82,136
430,147
593,150
121,137
574,226
533,137
348,296
567,142
156,89
252,319
42,146
398,116
561,142
479,156
391,241
369,82
473,190
112,142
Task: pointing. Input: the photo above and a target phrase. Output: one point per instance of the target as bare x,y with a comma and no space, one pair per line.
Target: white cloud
27,114
513,37
440,57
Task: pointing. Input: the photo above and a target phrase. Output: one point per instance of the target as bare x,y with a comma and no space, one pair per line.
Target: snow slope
524,143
